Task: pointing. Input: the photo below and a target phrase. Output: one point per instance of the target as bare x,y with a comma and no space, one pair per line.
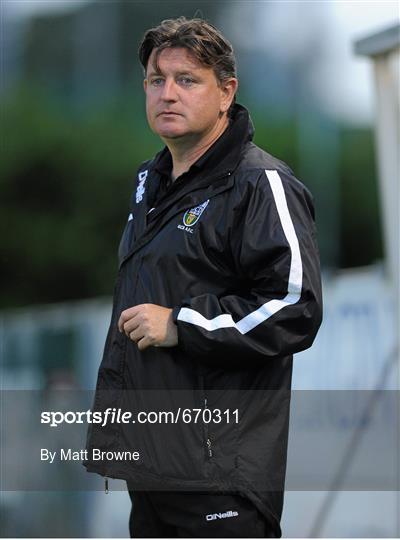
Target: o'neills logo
223,515
141,189
192,216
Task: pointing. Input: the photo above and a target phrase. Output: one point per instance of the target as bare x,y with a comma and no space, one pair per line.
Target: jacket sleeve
278,310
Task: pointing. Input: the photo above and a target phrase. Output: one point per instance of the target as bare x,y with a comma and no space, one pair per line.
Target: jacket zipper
208,440
106,485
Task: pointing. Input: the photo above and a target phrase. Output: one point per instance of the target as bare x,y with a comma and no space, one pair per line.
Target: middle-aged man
218,286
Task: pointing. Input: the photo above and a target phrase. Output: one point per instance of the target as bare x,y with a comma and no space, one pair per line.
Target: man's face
183,98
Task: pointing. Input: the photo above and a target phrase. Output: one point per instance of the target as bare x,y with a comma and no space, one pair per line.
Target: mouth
168,113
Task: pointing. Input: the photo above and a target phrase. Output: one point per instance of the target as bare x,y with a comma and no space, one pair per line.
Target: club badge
192,216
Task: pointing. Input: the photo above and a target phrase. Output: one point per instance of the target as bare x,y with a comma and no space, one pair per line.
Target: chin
169,129
170,133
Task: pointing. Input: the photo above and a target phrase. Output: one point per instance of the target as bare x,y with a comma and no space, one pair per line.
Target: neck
185,151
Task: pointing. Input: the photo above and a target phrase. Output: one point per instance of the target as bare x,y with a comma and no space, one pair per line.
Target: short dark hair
200,37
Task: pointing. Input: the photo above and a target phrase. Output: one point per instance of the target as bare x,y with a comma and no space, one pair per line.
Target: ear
228,90
145,85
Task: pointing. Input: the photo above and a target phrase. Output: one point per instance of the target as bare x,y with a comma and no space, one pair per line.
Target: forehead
175,58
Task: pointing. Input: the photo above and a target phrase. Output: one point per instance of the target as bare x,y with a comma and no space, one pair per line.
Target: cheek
149,104
204,101
208,106
150,108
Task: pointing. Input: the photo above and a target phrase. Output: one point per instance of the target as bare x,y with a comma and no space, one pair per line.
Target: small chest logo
141,189
192,216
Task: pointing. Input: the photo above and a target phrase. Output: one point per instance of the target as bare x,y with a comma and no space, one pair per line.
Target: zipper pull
210,453
106,485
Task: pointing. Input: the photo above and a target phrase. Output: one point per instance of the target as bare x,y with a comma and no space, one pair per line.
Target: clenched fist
149,325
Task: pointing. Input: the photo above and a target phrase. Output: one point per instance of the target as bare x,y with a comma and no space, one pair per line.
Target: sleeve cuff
175,313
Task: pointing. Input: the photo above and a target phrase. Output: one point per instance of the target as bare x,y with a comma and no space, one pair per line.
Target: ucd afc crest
192,216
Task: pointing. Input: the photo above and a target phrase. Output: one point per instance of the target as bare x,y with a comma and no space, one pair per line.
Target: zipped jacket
232,249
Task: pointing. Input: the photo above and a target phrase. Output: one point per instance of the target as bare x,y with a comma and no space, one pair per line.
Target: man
218,286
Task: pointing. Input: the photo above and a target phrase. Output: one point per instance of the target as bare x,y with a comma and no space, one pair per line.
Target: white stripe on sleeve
271,307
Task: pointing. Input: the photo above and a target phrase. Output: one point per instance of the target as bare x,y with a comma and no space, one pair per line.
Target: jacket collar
222,157
213,174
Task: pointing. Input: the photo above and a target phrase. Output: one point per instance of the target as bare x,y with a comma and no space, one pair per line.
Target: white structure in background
384,50
359,338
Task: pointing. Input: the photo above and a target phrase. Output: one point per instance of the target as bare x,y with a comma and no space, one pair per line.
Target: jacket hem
147,481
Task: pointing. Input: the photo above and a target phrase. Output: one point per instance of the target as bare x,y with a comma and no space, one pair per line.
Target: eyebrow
178,73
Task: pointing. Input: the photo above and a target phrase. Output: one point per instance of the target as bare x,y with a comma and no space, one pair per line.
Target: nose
169,90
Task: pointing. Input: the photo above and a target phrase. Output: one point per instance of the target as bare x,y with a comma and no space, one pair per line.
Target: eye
185,81
157,81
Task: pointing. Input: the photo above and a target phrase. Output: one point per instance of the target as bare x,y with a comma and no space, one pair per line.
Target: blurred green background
74,132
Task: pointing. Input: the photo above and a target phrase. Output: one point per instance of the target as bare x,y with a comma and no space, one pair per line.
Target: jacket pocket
168,446
220,430
205,420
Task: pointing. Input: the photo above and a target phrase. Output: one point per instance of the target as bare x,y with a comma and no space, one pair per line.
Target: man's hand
149,325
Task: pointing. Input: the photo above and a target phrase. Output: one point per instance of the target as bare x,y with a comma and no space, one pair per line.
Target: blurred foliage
337,163
360,231
65,189
66,181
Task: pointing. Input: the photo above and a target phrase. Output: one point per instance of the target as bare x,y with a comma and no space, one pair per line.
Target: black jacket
231,247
